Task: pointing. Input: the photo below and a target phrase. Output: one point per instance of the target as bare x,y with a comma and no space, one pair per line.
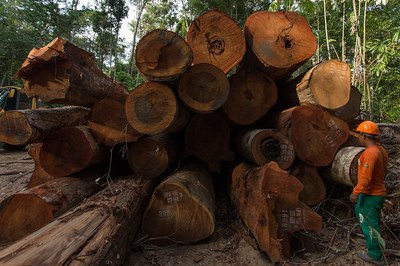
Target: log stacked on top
250,126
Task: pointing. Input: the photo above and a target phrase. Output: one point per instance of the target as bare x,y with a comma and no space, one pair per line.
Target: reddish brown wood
39,175
355,139
279,120
352,108
61,72
216,39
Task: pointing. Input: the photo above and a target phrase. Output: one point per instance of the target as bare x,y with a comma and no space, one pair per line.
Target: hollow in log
215,38
252,95
39,175
21,127
182,208
278,42
70,150
203,88
61,72
162,55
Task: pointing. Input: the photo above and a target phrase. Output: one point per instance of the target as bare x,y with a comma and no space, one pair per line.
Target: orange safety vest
371,172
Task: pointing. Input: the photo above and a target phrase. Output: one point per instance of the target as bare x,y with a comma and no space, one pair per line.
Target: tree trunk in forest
208,138
61,72
203,88
29,210
151,156
95,232
182,207
39,175
252,95
21,127
316,135
261,146
152,108
278,42
215,38
162,55
109,124
70,150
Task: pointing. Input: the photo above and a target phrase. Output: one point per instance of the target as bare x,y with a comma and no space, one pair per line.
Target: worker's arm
368,162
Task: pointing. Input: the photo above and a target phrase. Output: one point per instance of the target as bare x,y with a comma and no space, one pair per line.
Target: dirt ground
232,244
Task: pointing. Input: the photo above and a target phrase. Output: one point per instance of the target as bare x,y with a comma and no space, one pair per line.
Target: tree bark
39,175
70,150
22,127
95,232
203,88
30,210
109,124
61,72
182,208
215,38
252,95
162,55
278,42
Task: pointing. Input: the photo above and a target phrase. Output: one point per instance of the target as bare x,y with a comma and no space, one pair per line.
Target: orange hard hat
368,127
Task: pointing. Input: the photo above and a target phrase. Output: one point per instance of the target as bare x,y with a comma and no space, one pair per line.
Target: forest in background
364,33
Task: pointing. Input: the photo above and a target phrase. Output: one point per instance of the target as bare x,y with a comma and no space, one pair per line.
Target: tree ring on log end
15,122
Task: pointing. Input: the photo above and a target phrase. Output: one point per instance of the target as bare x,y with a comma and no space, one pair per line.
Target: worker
370,191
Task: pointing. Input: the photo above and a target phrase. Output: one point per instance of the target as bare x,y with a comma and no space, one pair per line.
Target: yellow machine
11,98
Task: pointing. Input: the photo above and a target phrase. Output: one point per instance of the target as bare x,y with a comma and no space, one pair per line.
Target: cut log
39,175
162,55
108,122
151,156
152,108
215,38
355,139
70,150
29,210
22,127
279,120
203,88
252,95
344,168
95,232
61,72
352,108
208,138
314,188
182,207
261,146
316,135
279,42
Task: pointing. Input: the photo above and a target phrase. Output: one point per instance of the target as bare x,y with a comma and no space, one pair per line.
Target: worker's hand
353,198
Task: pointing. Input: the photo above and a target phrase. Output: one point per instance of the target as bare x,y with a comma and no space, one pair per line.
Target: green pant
368,211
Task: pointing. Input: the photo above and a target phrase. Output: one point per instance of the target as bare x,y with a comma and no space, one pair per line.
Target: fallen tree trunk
182,207
203,88
261,146
215,38
109,124
95,232
61,72
162,55
279,42
22,127
70,150
39,175
252,95
30,210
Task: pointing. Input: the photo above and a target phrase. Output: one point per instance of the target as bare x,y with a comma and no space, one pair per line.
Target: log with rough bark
70,150
162,55
314,188
215,38
252,95
95,232
152,108
39,175
29,210
208,138
278,42
203,88
109,124
61,72
182,207
261,146
21,127
316,135
151,156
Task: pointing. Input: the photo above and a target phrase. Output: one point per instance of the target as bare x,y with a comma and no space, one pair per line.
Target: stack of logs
267,134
